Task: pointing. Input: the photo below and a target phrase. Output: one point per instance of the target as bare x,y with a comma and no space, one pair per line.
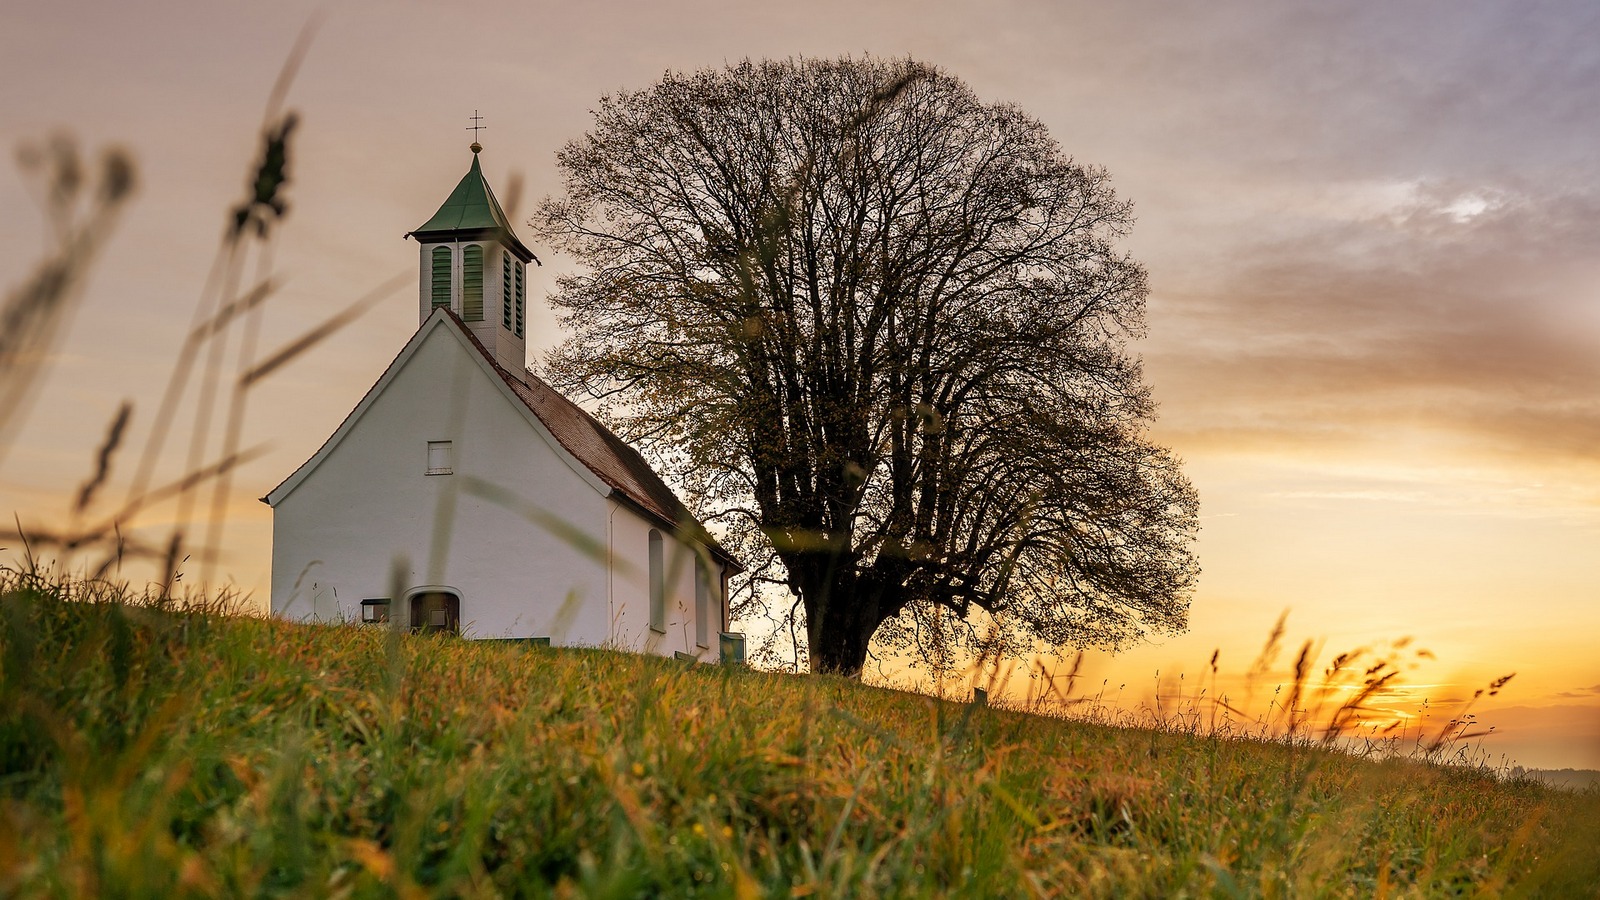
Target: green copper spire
472,213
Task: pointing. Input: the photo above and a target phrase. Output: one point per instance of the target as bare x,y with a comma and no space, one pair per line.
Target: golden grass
196,754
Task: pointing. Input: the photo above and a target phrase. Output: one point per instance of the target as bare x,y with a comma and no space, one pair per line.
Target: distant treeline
1576,779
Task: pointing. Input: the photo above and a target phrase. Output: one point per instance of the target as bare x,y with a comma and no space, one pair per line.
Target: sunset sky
1371,231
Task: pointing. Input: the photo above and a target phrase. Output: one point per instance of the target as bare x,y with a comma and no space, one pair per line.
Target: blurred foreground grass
154,751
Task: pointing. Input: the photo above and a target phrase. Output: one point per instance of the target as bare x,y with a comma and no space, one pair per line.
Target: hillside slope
151,753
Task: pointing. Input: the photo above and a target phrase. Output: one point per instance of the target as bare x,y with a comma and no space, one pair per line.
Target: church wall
368,503
424,282
630,590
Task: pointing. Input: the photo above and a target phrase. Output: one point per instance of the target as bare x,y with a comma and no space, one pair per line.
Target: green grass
156,752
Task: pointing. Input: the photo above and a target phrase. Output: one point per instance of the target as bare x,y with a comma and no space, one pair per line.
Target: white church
463,494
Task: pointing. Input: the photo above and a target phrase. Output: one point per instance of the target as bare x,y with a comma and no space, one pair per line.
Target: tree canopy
878,329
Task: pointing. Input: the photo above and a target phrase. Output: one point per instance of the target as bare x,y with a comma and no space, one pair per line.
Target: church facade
464,494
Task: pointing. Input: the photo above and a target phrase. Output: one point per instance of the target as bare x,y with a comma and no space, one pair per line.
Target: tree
878,328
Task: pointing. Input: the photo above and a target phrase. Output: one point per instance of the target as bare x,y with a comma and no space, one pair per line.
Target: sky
1374,320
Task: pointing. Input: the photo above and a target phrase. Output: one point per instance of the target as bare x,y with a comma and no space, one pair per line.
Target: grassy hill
151,753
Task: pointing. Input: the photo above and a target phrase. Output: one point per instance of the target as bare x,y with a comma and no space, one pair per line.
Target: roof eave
508,238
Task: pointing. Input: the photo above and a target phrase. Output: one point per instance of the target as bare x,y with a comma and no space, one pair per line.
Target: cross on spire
476,127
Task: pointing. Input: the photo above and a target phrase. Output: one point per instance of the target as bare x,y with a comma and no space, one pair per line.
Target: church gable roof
608,456
471,211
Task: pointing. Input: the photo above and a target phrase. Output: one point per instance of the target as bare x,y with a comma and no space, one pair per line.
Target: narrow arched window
702,604
441,277
472,283
507,292
658,584
519,267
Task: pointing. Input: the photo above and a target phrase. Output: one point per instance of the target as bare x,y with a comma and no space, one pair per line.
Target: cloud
1412,315
1559,736
1580,693
1363,226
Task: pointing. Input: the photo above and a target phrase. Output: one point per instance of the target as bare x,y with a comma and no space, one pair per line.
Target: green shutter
441,277
519,267
472,284
505,289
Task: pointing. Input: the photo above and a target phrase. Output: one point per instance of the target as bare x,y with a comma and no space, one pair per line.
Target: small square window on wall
441,458
375,611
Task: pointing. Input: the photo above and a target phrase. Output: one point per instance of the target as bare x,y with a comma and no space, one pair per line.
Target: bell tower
473,263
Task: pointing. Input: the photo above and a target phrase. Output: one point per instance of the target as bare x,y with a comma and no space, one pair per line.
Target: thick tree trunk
840,645
843,611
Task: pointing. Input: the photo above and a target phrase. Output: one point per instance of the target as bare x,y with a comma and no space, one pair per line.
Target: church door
436,611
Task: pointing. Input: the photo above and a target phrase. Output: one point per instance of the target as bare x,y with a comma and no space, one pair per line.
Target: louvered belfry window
519,268
472,284
505,290
441,277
